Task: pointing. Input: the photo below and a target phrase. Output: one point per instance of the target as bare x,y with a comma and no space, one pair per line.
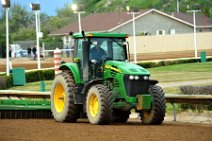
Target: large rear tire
62,98
99,105
156,115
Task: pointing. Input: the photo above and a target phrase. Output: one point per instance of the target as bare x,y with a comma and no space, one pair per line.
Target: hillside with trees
163,5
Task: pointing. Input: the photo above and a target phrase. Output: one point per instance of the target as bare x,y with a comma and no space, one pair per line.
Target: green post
203,56
19,77
42,86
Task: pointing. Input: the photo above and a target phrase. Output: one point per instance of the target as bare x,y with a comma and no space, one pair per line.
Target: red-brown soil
50,130
29,63
49,62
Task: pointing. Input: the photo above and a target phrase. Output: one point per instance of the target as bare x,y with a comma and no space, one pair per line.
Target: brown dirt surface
29,63
50,130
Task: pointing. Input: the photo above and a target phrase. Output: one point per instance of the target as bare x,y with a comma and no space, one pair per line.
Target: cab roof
100,34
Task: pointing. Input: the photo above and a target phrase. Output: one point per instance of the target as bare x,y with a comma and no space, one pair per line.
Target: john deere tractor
105,90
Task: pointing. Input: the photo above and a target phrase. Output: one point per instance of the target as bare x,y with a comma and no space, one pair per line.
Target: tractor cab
92,50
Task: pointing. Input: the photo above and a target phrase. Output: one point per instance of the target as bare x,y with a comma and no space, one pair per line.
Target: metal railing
26,94
187,99
170,98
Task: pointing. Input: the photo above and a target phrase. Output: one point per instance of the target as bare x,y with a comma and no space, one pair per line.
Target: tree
19,17
63,17
24,34
168,6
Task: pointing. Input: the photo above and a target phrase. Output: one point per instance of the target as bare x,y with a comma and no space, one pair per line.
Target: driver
97,52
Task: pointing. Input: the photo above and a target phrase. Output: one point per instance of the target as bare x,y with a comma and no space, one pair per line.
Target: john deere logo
112,68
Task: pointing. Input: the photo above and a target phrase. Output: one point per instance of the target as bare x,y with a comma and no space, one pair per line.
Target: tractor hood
125,68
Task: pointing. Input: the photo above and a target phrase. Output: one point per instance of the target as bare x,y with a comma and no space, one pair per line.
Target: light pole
195,33
134,37
6,5
178,6
79,11
36,8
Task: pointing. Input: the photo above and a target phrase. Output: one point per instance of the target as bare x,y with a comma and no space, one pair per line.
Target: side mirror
83,35
125,46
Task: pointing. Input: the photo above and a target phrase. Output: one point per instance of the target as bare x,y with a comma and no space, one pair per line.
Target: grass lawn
172,73
176,90
182,72
34,86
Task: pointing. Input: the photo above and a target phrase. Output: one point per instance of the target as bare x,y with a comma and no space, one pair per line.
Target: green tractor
105,87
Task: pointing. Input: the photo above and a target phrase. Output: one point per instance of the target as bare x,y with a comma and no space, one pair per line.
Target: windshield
112,48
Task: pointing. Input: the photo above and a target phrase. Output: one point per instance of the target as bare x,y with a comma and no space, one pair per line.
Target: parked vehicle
21,53
14,48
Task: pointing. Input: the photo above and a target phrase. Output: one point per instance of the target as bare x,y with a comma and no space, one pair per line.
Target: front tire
156,115
99,105
62,98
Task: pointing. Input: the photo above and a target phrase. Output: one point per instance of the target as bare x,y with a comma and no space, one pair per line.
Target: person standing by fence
29,52
34,50
67,51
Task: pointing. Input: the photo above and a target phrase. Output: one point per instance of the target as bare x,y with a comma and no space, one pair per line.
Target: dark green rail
24,104
27,104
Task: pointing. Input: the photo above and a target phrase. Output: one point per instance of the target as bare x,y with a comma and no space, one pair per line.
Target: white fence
171,43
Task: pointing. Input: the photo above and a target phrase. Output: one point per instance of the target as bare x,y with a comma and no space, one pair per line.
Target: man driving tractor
97,52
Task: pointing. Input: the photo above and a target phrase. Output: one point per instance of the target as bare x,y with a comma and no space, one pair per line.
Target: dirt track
49,130
29,63
48,62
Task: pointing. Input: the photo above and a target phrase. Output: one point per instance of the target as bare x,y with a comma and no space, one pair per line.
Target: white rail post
7,43
174,112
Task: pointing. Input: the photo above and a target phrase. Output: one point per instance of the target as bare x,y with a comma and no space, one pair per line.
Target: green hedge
196,90
39,75
5,82
167,63
32,76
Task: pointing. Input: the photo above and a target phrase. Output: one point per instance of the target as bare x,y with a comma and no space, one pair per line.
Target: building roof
96,22
201,20
110,21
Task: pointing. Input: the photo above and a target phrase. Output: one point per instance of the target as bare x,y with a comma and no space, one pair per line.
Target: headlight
136,77
131,77
146,78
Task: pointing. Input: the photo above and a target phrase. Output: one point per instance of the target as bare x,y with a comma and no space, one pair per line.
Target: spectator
67,51
34,50
29,50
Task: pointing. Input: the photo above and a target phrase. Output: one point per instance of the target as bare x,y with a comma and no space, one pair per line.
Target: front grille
135,87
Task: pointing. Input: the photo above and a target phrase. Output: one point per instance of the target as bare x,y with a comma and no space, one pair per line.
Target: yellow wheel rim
93,105
59,98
